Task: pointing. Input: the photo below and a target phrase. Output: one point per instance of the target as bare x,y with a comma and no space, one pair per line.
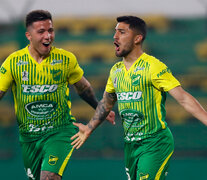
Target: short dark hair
37,15
135,23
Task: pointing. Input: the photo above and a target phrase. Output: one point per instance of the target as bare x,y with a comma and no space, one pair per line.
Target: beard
123,53
126,50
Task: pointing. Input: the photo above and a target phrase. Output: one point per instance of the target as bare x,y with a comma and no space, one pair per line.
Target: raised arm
1,94
189,103
102,110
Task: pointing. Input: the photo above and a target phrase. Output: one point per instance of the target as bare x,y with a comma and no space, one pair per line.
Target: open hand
80,137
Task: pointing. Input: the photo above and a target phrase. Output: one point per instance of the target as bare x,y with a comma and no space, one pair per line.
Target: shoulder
116,66
63,52
18,53
153,61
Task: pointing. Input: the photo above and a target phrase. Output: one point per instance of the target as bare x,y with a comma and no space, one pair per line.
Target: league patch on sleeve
3,70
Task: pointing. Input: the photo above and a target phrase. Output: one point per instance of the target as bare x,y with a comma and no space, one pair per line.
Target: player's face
123,39
41,35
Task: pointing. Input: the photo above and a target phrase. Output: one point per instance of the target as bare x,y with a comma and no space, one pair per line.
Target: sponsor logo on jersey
117,70
25,76
163,72
138,68
52,160
22,63
135,79
41,108
3,70
56,74
39,89
38,127
54,61
129,96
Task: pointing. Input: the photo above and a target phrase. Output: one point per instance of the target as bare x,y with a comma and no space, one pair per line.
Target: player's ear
28,36
138,39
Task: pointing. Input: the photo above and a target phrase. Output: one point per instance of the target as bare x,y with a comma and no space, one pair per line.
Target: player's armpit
1,94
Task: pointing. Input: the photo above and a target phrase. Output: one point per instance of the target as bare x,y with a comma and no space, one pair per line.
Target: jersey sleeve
6,77
162,77
110,86
76,72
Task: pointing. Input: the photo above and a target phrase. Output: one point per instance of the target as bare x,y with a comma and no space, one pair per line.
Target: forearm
189,103
86,92
88,96
192,106
100,115
102,110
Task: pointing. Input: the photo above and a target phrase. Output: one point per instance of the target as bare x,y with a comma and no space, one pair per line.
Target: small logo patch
25,76
54,61
143,176
2,70
22,63
52,160
136,79
115,82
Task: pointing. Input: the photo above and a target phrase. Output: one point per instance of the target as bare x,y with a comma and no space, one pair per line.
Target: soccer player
39,75
140,83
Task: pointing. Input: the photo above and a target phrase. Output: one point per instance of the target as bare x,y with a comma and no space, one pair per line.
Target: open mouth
116,46
46,44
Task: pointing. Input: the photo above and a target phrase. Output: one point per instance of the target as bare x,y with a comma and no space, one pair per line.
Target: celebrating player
140,83
39,75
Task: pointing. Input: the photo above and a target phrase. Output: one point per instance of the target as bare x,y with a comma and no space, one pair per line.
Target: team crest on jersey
56,74
25,76
143,176
135,79
52,160
115,82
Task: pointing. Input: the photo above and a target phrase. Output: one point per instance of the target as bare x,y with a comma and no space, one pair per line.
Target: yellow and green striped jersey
141,94
41,93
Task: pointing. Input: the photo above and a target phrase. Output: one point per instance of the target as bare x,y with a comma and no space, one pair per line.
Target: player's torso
41,92
137,99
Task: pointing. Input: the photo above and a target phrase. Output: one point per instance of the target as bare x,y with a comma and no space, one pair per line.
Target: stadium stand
180,43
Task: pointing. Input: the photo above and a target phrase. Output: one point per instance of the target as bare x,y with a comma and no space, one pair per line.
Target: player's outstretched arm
1,94
189,103
86,92
102,111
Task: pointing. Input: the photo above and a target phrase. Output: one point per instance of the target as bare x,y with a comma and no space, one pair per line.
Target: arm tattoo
102,110
88,95
86,92
99,116
1,94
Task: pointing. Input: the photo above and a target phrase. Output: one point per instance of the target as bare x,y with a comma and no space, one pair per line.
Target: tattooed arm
1,94
85,91
102,110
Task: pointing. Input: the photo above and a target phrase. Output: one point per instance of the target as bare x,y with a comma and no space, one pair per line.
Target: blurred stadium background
177,35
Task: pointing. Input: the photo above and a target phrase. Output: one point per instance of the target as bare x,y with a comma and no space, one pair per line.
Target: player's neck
36,56
131,58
